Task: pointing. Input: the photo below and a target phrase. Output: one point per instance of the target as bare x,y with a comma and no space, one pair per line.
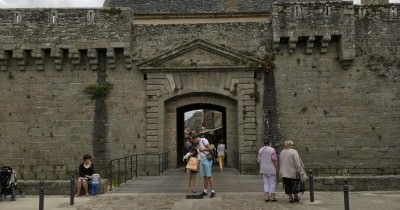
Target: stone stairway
175,181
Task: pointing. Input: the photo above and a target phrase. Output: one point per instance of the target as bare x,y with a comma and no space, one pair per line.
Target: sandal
296,199
291,200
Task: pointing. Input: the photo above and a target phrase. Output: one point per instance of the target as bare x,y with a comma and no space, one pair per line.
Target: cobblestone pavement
241,201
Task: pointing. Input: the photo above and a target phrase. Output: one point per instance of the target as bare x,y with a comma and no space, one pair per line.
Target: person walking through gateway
221,155
291,169
268,162
203,149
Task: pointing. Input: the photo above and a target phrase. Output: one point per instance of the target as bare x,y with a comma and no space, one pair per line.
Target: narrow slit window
328,10
17,17
53,17
297,11
393,12
90,16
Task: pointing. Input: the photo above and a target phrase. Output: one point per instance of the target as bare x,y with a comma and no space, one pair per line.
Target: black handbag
299,185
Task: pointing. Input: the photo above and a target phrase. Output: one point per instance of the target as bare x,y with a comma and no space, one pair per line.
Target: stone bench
358,183
53,187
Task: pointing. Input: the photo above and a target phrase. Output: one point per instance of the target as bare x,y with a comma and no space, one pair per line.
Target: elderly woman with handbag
291,169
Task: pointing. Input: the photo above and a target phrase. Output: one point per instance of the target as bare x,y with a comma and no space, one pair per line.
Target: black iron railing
125,168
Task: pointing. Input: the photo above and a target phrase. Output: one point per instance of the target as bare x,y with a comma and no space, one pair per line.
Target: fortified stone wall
343,116
376,30
315,24
248,38
144,7
47,58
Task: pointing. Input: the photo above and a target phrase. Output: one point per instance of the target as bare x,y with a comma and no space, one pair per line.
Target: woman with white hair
291,169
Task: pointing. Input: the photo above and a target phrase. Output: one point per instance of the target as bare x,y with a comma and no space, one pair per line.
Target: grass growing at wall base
98,91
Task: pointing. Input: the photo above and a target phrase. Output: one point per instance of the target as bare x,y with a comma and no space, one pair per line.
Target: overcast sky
70,3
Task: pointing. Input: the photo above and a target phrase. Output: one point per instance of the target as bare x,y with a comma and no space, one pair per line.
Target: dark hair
267,141
195,135
194,152
87,157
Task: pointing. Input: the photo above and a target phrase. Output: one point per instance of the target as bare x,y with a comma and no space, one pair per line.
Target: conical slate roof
149,7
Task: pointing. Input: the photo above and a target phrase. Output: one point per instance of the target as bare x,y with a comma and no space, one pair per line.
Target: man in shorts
203,148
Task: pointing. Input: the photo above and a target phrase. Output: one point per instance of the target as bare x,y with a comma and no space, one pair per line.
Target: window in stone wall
65,55
83,56
90,16
328,10
393,12
28,57
297,11
17,17
8,54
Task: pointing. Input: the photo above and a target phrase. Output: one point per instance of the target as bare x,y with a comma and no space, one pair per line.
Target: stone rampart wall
47,58
249,38
168,7
343,118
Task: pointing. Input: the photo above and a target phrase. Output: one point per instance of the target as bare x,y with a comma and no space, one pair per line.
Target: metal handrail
134,165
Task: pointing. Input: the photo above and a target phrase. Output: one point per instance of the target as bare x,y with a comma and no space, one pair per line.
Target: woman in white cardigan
291,169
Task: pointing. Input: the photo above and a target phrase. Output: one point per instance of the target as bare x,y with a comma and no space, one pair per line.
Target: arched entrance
215,135
174,112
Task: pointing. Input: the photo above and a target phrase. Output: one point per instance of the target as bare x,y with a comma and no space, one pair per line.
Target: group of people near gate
290,168
288,165
200,155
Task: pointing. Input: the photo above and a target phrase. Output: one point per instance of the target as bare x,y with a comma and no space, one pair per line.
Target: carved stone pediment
200,55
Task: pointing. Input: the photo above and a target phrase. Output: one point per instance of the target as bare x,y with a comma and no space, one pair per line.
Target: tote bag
193,164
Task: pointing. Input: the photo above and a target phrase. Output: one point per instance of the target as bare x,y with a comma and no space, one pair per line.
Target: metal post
136,166
41,195
71,190
159,164
166,168
164,161
240,164
311,185
346,195
111,175
125,168
131,167
118,171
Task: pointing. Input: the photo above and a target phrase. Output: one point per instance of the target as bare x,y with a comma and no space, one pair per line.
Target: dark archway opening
215,133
